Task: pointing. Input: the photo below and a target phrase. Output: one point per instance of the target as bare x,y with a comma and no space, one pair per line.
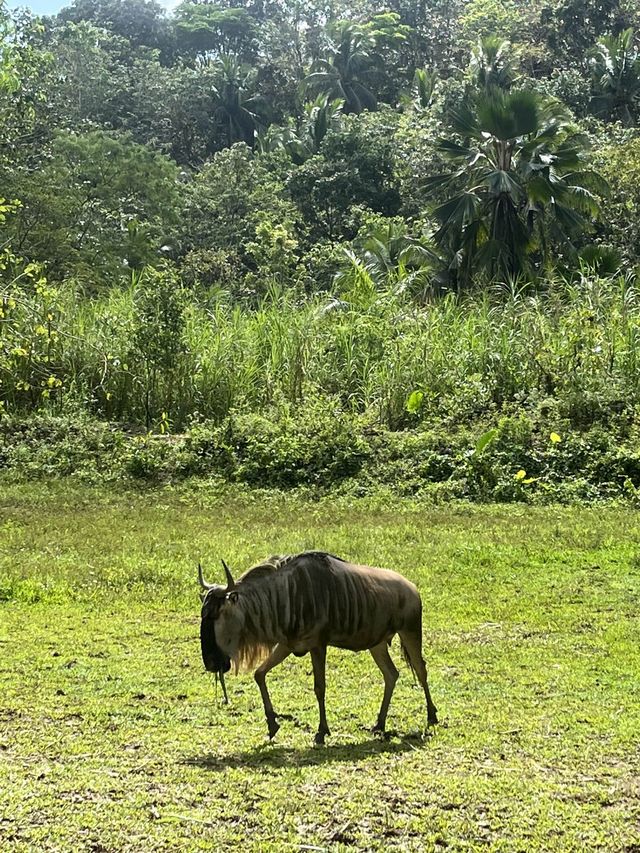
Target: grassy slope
111,737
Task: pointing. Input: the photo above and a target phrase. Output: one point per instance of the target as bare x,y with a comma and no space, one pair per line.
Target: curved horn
203,582
230,581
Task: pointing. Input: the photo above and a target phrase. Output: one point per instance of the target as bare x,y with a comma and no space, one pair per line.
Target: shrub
315,445
60,445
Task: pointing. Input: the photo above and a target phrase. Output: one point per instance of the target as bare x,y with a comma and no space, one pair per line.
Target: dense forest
319,241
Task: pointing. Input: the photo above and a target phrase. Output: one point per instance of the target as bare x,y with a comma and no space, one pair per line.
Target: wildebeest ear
232,596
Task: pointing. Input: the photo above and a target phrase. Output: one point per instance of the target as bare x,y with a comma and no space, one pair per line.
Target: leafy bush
319,446
60,445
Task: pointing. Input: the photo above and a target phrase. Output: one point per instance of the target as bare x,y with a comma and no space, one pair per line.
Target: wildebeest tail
407,660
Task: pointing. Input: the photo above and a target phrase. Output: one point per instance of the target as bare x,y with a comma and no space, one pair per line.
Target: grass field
112,737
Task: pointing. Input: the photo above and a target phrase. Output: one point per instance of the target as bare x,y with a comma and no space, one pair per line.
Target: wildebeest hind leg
279,653
319,659
381,656
412,645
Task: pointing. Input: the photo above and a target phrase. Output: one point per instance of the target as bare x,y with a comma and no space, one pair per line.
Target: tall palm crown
615,68
518,179
492,64
352,57
233,91
341,73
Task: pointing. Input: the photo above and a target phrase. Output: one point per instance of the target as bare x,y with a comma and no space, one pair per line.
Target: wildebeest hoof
319,739
381,733
274,725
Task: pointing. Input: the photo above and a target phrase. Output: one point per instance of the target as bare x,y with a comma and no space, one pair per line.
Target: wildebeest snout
214,659
217,664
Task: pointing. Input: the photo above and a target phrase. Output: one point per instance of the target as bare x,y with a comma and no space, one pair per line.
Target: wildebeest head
221,622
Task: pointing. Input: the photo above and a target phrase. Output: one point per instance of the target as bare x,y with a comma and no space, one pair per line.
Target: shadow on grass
275,756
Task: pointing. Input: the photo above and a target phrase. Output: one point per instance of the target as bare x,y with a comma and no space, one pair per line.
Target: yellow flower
520,475
555,438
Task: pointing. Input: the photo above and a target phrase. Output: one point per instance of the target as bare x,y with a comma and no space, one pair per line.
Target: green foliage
46,446
226,198
140,22
422,91
274,253
211,30
519,180
389,258
615,69
454,399
158,342
353,58
9,80
228,207
500,19
98,73
371,347
102,203
618,160
322,449
492,63
320,116
234,99
31,345
573,26
354,168
24,67
315,445
234,211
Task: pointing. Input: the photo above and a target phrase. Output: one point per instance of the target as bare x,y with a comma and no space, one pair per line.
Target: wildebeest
304,603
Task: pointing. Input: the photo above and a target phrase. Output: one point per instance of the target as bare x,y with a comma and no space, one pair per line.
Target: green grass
112,738
566,345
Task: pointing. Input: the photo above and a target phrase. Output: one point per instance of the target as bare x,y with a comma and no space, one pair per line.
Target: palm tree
491,64
352,58
234,99
420,97
615,67
520,184
388,257
350,55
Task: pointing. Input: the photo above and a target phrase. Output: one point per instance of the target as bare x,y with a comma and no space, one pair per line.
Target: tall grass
155,355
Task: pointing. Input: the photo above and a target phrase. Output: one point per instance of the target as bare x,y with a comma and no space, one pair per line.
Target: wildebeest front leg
318,659
381,656
279,653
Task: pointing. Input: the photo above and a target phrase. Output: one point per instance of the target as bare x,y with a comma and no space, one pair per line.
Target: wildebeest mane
279,561
251,651
277,603
265,568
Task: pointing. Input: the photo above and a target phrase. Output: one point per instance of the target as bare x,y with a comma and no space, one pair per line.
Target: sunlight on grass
112,738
